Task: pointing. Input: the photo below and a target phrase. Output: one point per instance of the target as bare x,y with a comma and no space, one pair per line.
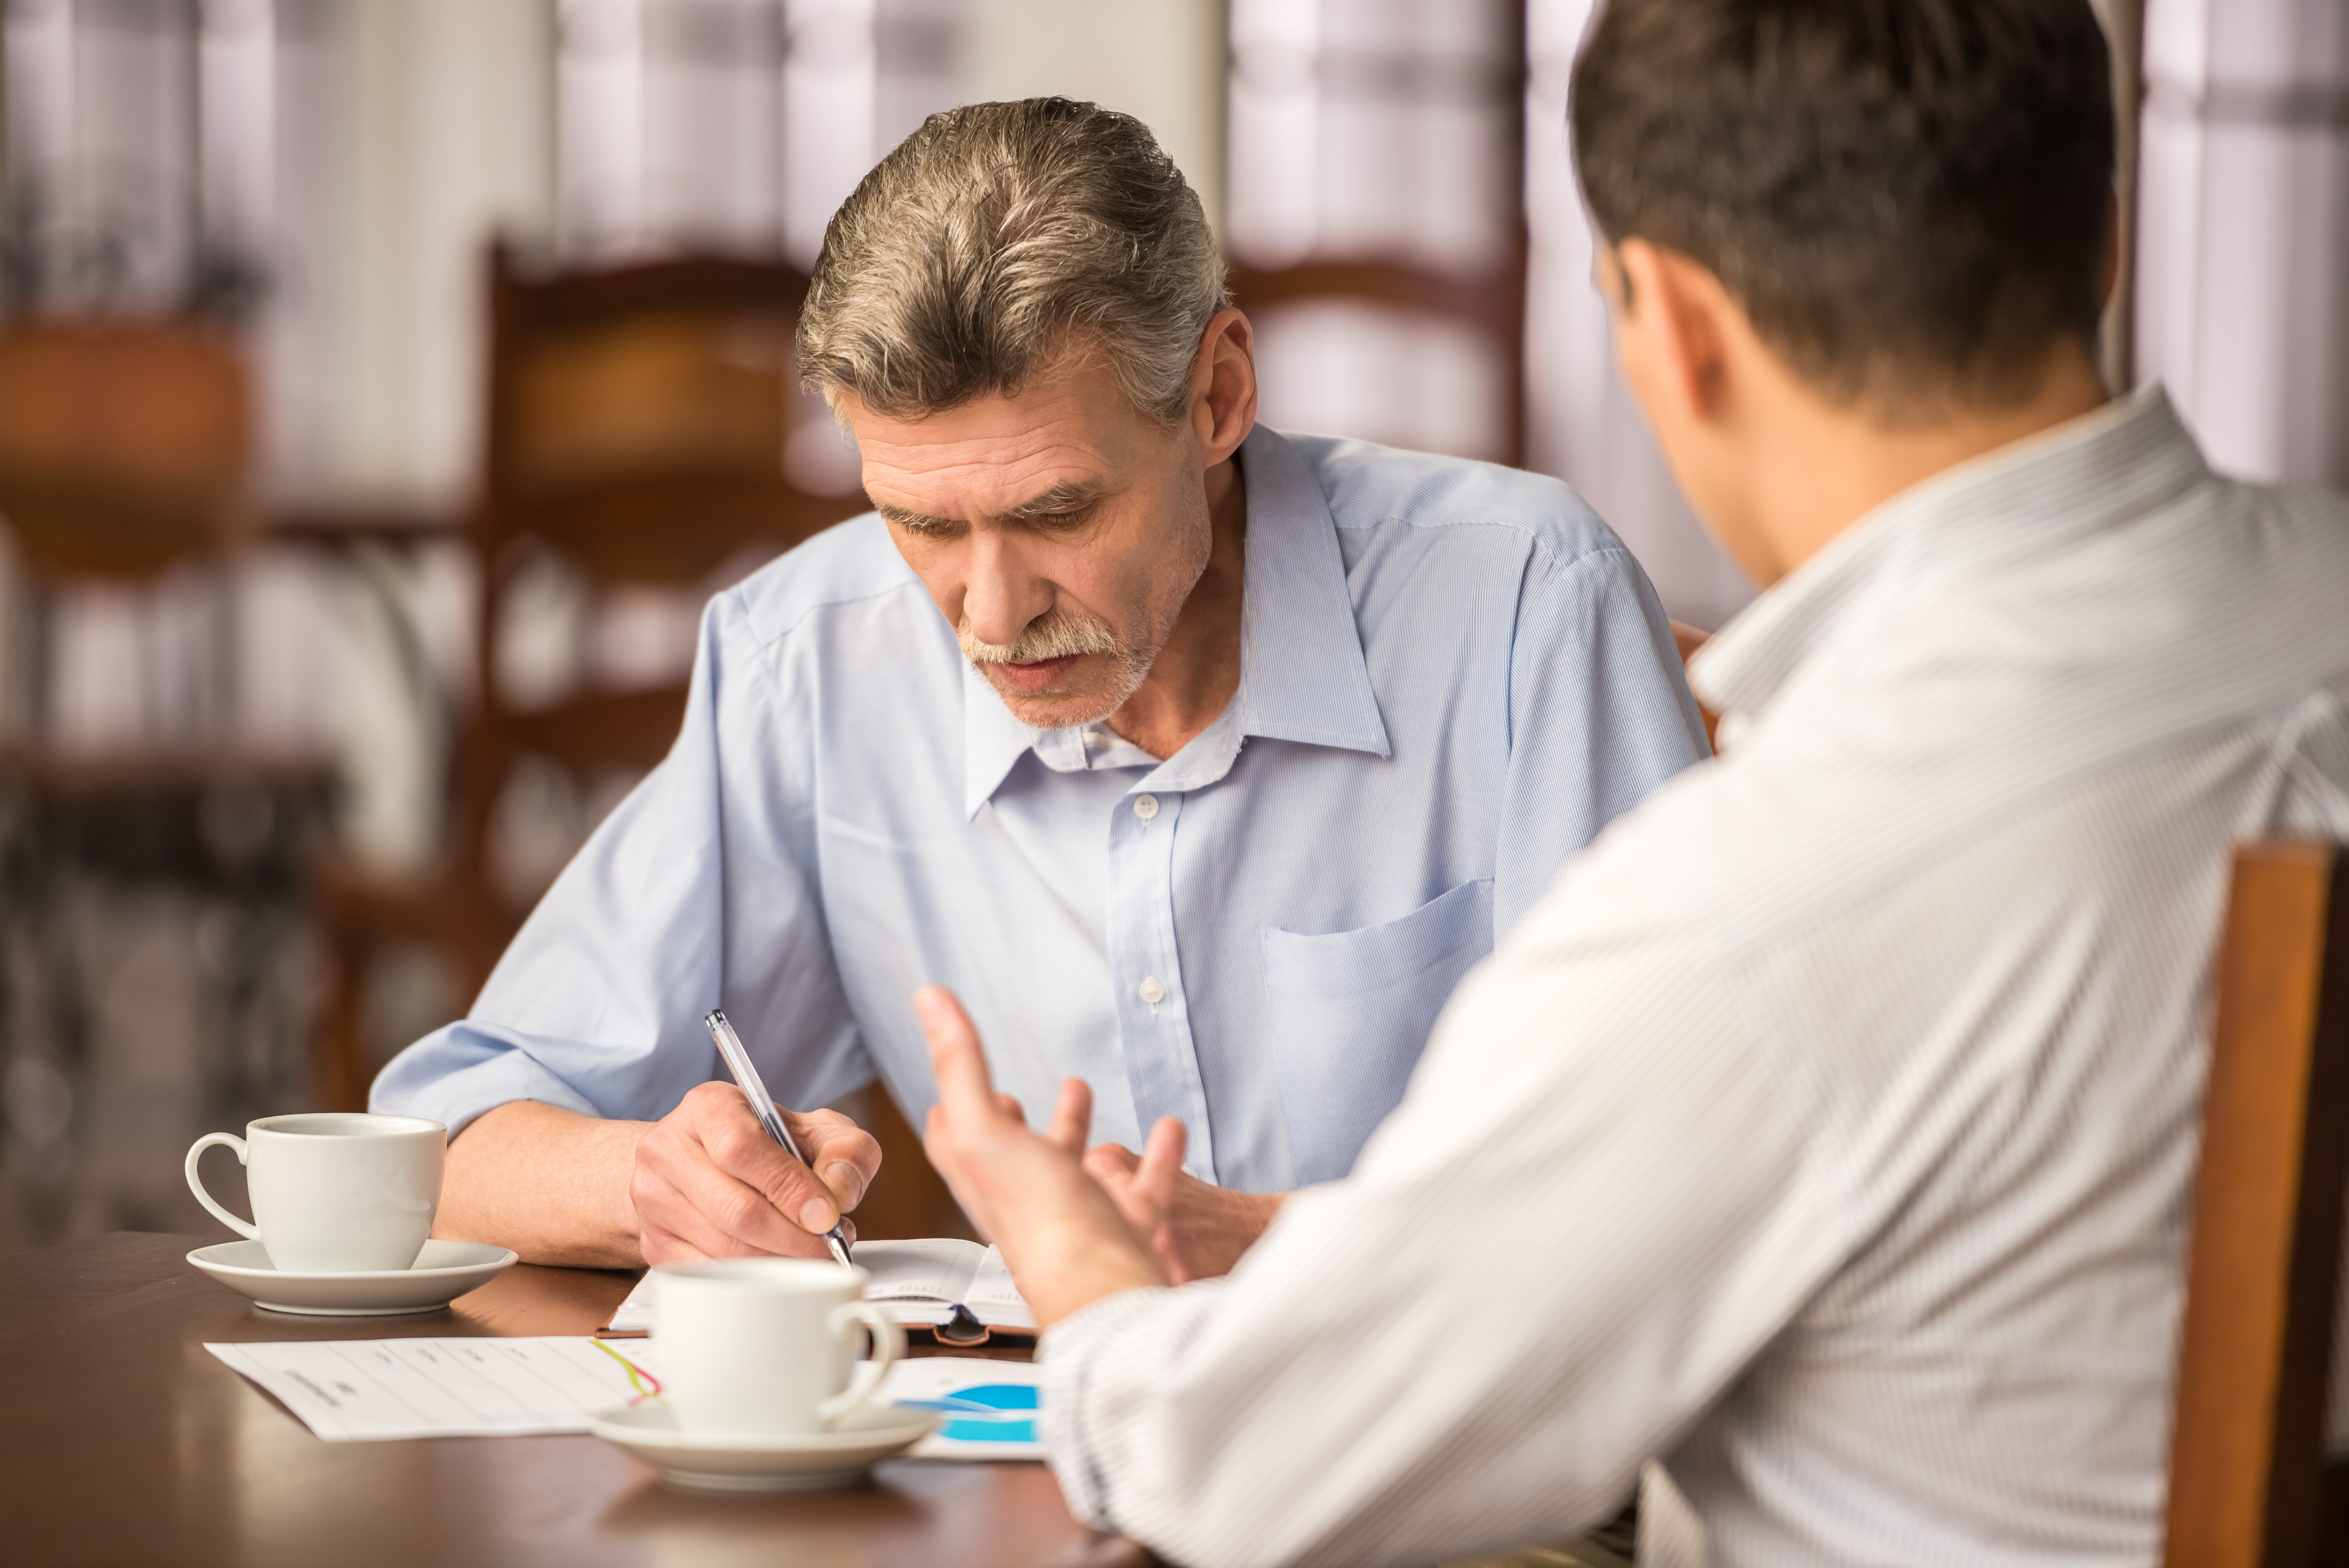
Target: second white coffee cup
758,1347
334,1192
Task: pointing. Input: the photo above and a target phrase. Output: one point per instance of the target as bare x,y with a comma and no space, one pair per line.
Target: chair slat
2247,1468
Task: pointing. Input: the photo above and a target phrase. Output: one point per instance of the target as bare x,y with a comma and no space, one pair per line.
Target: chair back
124,447
638,420
2248,1484
1493,308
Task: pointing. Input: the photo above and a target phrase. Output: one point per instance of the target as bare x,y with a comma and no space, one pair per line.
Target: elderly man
1825,1134
1202,761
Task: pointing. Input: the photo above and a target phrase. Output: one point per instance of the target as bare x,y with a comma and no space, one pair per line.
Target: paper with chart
916,1283
356,1390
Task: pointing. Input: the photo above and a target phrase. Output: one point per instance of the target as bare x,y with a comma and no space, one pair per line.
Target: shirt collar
2089,473
1303,674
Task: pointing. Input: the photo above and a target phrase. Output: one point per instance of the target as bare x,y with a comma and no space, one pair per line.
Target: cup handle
888,1346
244,1228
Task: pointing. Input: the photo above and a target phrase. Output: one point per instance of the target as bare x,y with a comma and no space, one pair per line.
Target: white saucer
443,1271
805,1462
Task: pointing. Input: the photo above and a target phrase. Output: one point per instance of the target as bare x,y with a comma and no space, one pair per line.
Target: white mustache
1059,635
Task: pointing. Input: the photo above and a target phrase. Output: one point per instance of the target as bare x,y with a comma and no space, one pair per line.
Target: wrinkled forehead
995,455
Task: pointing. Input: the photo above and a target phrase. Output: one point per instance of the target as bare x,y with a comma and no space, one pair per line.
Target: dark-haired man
1824,1135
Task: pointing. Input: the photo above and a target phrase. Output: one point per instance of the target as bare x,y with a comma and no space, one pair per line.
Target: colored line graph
637,1375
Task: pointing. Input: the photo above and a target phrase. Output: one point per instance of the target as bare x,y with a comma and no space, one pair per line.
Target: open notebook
916,1283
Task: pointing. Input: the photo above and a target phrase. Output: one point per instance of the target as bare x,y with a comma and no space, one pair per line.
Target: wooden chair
124,455
636,428
2249,1487
1492,307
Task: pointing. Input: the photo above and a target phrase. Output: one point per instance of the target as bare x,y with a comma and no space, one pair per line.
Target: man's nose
1002,595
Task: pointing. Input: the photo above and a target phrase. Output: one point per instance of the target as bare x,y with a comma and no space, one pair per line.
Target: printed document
359,1389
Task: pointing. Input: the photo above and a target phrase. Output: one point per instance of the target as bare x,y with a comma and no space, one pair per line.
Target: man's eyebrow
917,520
1066,496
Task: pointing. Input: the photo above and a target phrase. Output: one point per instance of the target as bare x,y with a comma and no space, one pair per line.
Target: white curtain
2242,288
1582,423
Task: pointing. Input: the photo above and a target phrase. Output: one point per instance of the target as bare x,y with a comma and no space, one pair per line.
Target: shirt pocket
1350,1013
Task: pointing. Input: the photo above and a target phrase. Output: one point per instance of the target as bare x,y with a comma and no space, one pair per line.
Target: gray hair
1000,237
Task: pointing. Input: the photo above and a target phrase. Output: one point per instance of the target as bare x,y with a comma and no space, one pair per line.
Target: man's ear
1672,305
1223,386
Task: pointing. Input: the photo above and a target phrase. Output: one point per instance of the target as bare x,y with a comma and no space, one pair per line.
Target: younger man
1826,1134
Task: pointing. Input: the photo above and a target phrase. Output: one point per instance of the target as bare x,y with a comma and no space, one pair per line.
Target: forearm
548,1183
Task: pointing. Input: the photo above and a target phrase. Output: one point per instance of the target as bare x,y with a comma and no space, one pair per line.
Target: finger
960,1066
1012,1109
946,1159
844,1155
1073,1116
728,1169
1161,1162
1112,1164
722,1217
712,1215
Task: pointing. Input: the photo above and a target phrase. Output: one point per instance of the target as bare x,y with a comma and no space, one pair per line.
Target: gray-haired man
1199,759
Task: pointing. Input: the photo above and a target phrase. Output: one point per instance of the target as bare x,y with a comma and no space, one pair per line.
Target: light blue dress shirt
1452,676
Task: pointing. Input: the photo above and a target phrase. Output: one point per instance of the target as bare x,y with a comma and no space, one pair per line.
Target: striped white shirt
1825,1133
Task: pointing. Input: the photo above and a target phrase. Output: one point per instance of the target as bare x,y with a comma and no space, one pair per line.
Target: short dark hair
1911,199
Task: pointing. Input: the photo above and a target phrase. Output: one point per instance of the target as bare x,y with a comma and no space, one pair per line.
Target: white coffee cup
334,1192
759,1347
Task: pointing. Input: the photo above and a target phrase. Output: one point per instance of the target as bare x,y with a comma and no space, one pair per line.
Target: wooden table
126,1442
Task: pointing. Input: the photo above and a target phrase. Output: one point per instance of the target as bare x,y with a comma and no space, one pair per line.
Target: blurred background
385,384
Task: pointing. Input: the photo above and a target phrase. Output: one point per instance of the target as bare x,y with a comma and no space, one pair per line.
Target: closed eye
1074,517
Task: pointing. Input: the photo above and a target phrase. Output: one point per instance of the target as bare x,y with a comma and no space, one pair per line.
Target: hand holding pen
708,1181
746,1075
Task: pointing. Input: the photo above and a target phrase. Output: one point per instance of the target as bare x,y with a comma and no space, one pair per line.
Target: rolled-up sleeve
700,890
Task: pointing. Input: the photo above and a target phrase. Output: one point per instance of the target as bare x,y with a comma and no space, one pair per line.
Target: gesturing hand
709,1183
1067,1242
1207,1227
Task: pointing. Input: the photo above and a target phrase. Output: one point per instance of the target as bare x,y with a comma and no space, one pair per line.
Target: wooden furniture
125,451
637,421
1492,307
2248,1484
127,1443
124,447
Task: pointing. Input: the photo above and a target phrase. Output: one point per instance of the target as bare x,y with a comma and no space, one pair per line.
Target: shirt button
1145,807
1151,991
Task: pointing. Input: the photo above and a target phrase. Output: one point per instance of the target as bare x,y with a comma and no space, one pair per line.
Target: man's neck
1192,678
1828,468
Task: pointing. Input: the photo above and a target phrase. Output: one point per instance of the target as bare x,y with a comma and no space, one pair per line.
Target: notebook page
916,1283
938,1271
996,1301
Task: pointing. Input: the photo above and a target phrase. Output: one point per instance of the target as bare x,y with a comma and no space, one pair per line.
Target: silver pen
738,1062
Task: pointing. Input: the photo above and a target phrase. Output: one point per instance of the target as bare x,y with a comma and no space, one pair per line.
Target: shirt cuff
418,1083
1066,1350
